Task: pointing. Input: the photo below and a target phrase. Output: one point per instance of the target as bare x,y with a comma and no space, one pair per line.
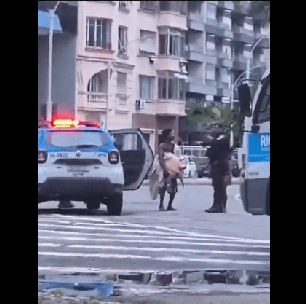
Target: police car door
136,156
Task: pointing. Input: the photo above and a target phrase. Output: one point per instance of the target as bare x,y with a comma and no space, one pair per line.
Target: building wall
63,72
110,109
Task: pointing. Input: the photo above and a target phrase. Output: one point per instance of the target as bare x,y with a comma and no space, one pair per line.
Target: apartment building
220,38
130,51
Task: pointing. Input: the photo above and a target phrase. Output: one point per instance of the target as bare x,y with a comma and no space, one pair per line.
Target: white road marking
143,257
157,249
120,238
157,233
143,239
49,245
111,223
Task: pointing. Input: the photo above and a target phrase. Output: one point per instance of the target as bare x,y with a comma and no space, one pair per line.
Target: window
147,42
211,11
98,33
162,88
163,44
123,4
146,87
262,108
148,5
171,42
210,72
171,88
121,83
75,138
174,6
95,83
122,40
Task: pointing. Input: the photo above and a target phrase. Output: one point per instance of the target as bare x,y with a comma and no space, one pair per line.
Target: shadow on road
86,212
74,211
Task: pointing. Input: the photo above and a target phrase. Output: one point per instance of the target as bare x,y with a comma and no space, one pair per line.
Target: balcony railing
92,100
96,97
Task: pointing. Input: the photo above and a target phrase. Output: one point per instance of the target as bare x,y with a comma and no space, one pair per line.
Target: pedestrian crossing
66,243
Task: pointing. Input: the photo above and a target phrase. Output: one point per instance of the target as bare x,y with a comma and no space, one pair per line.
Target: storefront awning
44,23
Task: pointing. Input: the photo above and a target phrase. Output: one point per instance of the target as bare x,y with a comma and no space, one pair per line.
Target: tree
224,115
197,113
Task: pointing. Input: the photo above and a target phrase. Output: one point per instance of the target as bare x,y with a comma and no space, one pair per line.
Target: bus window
262,108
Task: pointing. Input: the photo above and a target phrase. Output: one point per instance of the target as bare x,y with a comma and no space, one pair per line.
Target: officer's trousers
219,171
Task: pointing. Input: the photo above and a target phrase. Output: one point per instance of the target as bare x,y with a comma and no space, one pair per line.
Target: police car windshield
77,138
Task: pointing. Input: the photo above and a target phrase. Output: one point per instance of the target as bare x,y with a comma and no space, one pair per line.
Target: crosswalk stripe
123,224
121,238
157,249
145,257
157,233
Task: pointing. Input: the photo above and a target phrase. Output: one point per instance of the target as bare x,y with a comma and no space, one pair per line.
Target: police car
79,161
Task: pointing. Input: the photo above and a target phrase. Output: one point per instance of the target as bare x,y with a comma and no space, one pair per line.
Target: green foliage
223,115
198,113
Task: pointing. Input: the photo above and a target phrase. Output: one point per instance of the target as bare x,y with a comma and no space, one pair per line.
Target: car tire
92,205
114,205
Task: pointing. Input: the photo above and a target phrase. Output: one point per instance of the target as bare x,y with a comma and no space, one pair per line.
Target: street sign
259,147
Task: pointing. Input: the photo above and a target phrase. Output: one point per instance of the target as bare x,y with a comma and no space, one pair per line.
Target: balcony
172,19
211,27
242,34
195,24
223,88
229,5
196,85
195,53
170,107
195,17
239,62
224,62
168,63
92,101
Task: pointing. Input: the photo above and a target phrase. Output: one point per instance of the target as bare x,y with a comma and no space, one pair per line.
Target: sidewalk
198,181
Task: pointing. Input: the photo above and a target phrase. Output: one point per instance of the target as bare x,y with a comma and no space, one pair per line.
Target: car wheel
92,205
189,173
114,205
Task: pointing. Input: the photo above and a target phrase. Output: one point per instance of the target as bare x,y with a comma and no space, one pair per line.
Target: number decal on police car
62,155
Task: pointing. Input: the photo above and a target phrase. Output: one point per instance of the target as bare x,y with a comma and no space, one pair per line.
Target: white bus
254,155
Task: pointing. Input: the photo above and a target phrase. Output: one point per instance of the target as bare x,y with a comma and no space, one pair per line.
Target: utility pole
49,101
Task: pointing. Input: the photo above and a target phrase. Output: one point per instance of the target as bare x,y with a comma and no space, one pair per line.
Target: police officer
218,154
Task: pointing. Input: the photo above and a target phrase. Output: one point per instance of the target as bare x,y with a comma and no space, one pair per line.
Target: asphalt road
188,238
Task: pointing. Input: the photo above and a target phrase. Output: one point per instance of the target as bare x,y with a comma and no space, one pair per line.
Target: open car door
136,156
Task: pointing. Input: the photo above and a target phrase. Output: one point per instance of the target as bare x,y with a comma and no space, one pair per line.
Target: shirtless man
167,146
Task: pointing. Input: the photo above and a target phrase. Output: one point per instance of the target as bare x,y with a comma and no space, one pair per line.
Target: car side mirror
244,97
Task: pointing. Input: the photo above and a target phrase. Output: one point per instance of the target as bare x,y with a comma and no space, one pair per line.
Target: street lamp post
247,72
232,96
249,59
49,101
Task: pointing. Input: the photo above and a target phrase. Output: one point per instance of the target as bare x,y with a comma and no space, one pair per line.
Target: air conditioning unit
140,103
